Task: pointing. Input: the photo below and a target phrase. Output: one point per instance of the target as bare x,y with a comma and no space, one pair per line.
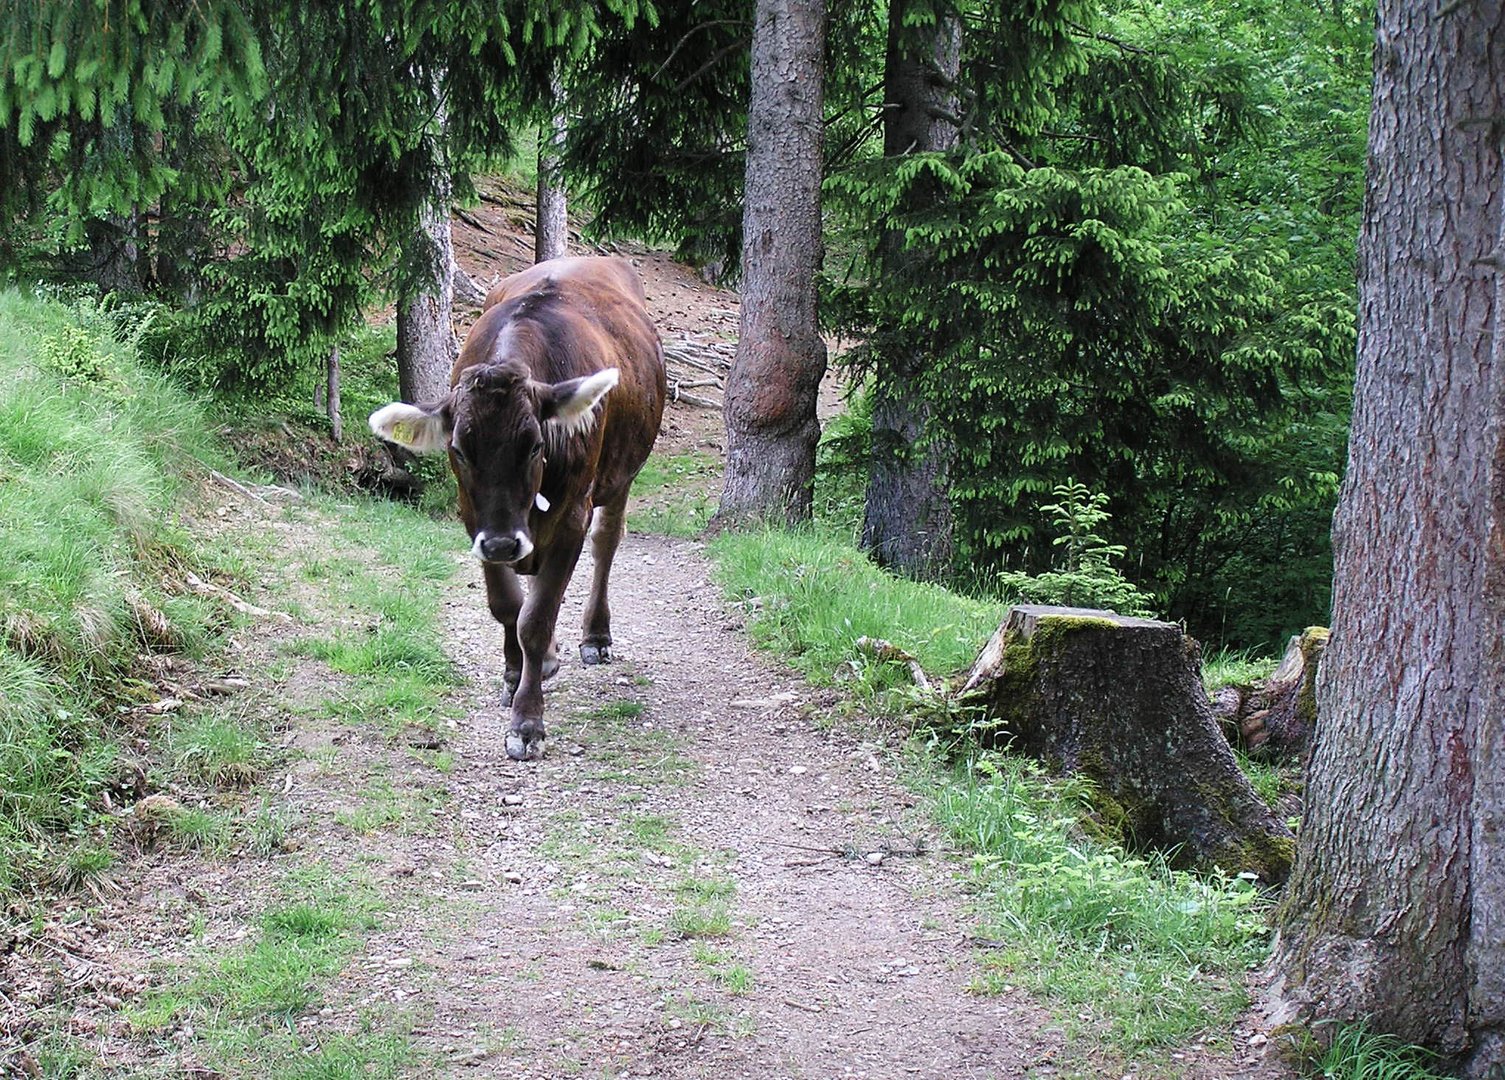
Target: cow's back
595,306
601,270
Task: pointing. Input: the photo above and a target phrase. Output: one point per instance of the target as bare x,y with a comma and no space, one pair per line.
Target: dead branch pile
697,363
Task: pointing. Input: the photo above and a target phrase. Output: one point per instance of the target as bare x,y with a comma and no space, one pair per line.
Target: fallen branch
219,592
235,485
889,653
693,399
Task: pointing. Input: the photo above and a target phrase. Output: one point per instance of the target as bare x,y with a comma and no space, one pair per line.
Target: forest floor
716,871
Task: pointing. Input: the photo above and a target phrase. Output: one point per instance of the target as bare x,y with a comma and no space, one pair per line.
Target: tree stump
1276,719
1120,701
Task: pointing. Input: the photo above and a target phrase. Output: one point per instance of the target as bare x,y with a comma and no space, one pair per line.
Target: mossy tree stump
1275,720
1120,701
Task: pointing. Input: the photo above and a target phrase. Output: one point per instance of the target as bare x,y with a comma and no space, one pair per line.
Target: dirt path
575,941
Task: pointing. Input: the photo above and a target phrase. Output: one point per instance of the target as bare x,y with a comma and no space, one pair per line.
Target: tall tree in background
907,522
770,393
426,345
1396,909
551,233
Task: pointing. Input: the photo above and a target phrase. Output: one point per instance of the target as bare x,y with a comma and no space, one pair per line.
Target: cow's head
498,424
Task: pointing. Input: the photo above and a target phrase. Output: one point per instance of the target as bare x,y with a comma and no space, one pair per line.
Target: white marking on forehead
502,347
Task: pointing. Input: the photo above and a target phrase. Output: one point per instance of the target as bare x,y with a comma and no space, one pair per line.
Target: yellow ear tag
404,432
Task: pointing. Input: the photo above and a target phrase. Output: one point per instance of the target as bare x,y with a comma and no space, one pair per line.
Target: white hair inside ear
574,411
418,430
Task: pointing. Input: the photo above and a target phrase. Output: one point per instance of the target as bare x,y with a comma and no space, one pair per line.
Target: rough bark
1396,909
551,234
771,425
907,525
1120,701
426,345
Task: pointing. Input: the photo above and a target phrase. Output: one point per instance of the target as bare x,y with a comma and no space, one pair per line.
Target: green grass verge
94,449
400,674
1151,956
241,1007
672,495
811,598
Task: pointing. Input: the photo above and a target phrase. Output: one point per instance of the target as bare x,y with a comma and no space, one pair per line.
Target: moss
1313,642
1268,856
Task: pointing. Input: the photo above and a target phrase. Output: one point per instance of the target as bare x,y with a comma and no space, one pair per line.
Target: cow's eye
537,449
459,454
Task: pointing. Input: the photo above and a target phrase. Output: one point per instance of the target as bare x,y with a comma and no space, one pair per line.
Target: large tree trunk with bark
1396,909
426,345
771,425
908,523
1120,701
551,233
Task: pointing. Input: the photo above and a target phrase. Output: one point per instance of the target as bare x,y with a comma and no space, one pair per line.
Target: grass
1236,668
241,1007
733,977
401,676
673,494
1152,955
94,453
217,748
1356,1053
812,597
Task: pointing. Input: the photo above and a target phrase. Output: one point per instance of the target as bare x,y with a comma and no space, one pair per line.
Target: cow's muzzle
501,547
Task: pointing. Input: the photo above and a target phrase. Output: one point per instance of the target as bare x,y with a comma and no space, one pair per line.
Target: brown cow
535,451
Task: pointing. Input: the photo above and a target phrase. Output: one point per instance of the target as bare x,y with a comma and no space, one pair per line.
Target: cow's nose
501,547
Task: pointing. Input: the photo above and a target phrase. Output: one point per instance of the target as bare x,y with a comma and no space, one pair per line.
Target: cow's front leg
504,596
607,527
525,735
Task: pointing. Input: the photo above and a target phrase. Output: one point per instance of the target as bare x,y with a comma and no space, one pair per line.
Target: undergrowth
1152,955
1357,1053
94,450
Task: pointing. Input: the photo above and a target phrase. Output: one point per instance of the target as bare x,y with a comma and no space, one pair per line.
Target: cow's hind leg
535,631
607,527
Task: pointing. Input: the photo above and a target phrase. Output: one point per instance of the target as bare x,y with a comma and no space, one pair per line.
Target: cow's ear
423,429
572,402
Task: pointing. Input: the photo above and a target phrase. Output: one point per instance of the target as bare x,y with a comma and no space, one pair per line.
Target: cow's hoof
551,667
520,748
595,654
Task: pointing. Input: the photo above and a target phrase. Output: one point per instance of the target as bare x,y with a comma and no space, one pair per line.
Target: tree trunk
115,238
1120,701
771,427
908,522
1396,909
426,345
332,394
551,234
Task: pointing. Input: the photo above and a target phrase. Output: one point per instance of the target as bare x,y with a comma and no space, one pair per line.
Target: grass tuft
1153,954
1356,1053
